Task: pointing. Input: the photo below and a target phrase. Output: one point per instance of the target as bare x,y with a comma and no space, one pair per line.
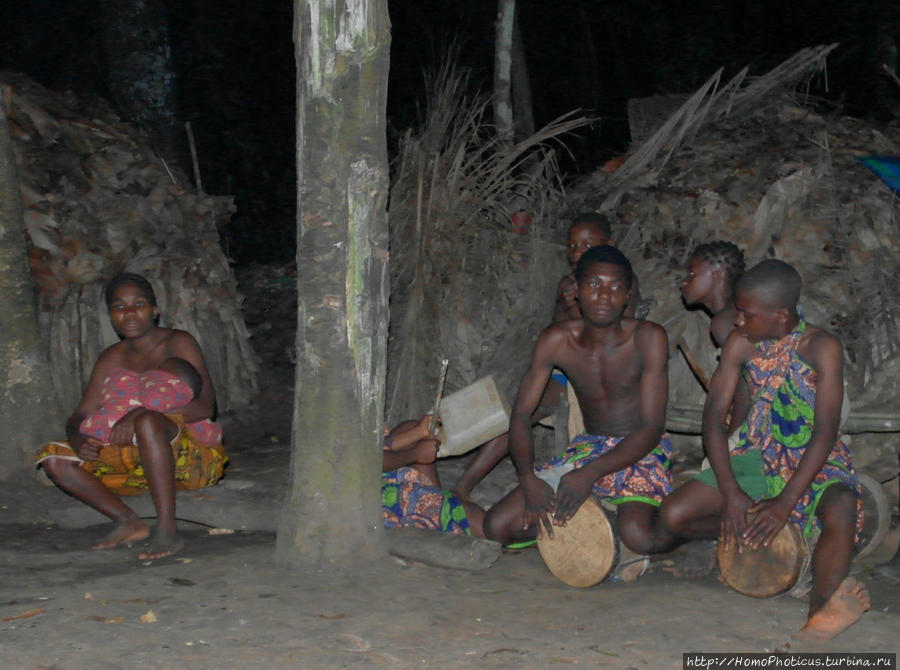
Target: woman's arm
87,447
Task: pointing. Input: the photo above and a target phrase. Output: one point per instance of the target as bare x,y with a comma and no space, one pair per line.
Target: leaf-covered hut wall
756,163
99,201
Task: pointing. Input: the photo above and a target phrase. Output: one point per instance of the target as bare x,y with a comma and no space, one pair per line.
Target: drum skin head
583,552
767,571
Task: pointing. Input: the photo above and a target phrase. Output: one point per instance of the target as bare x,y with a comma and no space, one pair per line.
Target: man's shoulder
645,331
562,329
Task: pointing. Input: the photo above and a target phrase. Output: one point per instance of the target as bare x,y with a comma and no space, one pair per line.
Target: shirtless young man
617,366
588,229
789,465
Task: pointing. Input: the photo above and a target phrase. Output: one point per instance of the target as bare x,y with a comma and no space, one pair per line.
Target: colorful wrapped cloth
779,425
408,499
197,465
648,480
124,390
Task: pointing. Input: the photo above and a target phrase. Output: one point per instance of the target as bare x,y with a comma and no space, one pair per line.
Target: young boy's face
603,293
755,318
583,236
698,283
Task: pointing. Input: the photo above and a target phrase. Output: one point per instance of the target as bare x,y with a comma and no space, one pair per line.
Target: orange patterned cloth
197,465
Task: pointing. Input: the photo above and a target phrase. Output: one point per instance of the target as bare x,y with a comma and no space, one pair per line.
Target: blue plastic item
886,167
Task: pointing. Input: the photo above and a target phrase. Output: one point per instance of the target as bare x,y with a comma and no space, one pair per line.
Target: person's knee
52,466
673,514
636,538
58,469
494,527
837,508
499,525
150,424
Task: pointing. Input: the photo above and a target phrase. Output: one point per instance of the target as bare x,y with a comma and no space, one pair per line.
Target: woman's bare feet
125,532
162,545
843,609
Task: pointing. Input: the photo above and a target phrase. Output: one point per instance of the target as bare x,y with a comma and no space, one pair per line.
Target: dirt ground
223,603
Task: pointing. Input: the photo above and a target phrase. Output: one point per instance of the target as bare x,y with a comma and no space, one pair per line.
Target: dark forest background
233,68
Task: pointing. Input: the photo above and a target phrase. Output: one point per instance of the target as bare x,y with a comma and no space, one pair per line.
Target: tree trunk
141,72
523,114
332,517
503,112
29,411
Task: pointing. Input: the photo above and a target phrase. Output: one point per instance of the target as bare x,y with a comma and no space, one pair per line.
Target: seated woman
142,423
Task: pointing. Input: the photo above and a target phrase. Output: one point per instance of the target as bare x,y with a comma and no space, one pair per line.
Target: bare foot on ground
125,532
843,609
160,546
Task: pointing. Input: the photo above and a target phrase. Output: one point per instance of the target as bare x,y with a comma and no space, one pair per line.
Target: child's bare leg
692,512
490,453
836,601
154,433
503,521
493,451
71,478
475,515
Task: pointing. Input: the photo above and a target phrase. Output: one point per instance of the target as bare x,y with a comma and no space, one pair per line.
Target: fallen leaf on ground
178,581
149,617
359,643
220,531
34,611
105,619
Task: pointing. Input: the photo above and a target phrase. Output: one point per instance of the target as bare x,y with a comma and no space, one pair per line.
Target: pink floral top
156,390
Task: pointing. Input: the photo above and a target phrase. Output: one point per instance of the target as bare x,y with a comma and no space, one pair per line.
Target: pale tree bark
29,411
332,517
523,114
503,112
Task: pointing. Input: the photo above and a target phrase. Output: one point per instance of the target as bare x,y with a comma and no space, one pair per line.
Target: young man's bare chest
607,371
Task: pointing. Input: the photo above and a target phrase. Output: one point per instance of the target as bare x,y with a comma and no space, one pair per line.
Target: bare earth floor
222,603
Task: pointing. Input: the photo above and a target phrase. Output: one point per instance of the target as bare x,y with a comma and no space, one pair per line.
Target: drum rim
544,541
802,564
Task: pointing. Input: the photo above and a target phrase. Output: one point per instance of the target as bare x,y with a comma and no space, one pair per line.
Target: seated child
789,465
589,229
411,493
713,269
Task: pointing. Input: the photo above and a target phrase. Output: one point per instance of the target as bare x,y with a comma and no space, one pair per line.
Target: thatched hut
97,201
757,163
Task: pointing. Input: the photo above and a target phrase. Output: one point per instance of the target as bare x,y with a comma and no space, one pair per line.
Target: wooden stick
437,398
693,364
190,134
